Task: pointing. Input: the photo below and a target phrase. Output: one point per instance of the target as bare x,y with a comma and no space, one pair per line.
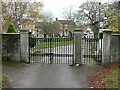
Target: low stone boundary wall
11,47
111,47
115,48
15,47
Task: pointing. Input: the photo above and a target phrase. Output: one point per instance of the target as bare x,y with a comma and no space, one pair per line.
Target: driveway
49,75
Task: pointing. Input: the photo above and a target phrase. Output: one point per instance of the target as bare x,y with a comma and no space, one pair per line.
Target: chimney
56,19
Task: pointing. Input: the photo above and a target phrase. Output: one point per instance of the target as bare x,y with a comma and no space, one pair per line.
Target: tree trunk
95,30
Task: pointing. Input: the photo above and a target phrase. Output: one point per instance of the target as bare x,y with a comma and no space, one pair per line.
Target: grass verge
108,77
112,78
12,63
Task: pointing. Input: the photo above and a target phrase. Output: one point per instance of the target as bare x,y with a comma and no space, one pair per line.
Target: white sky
57,6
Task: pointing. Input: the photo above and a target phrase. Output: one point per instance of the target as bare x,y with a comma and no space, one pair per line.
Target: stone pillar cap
107,30
78,30
24,30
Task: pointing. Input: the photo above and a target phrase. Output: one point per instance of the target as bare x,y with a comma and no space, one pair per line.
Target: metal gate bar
91,51
51,50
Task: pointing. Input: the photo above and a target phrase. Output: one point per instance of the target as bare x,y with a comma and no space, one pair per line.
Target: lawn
53,44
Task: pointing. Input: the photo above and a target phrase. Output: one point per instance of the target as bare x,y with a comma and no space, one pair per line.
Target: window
66,25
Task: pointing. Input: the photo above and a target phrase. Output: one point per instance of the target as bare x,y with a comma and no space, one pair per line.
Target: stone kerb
24,42
106,52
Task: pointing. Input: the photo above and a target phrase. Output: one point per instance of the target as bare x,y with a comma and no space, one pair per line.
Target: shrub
11,28
116,32
32,41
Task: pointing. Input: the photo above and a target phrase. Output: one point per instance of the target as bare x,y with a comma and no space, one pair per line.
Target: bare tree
95,13
113,15
49,25
69,13
92,13
48,16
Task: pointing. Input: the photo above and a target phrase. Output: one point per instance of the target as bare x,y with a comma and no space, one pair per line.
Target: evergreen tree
11,28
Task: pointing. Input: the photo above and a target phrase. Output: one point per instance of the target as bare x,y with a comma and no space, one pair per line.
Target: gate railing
91,51
88,50
51,50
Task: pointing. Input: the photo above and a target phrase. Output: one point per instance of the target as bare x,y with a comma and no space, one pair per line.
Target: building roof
65,21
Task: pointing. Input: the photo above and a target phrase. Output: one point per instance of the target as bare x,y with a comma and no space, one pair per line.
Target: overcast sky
57,6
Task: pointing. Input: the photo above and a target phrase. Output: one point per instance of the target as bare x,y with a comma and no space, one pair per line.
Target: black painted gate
51,50
91,52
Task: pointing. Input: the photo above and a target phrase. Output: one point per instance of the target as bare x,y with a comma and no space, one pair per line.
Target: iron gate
91,50
51,50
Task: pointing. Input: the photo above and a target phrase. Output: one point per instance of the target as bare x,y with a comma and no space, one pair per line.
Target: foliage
56,28
113,15
11,28
50,26
47,23
107,77
32,41
112,78
93,13
89,14
47,28
22,14
116,32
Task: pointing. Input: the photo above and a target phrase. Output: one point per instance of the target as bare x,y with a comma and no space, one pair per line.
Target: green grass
12,63
112,79
53,44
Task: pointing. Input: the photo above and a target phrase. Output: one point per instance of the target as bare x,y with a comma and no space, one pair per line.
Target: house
65,26
88,33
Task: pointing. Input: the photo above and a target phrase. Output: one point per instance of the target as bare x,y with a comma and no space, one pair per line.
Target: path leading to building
49,75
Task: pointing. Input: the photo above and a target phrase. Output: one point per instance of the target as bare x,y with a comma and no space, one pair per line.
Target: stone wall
115,47
11,47
0,46
111,47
